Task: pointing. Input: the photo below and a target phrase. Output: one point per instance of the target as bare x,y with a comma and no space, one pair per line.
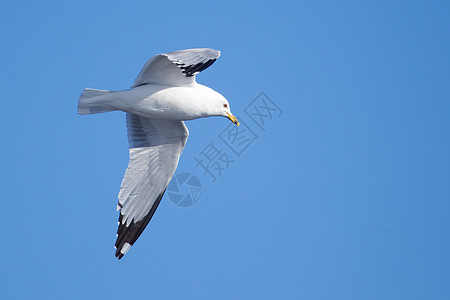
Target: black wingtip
191,70
127,235
118,254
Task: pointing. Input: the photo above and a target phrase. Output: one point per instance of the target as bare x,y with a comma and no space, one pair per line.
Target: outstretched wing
155,148
176,68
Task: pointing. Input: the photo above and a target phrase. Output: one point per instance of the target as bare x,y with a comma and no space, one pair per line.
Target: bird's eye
225,105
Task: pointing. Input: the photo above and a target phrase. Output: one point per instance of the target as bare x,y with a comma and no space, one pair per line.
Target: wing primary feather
191,70
129,234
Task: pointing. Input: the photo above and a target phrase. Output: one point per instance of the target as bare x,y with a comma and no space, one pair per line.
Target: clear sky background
346,195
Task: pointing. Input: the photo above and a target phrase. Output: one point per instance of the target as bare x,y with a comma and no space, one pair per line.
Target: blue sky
346,195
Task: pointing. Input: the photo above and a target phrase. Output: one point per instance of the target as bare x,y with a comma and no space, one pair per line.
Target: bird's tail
94,102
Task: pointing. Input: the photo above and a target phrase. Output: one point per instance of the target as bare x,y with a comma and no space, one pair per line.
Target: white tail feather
92,101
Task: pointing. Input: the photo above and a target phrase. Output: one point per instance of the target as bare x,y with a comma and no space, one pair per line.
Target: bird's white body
164,102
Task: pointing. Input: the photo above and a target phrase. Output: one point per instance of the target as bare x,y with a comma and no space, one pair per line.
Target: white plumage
163,95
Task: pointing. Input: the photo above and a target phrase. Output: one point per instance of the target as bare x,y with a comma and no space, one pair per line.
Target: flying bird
164,94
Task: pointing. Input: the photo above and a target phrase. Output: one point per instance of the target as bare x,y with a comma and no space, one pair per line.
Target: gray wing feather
155,148
176,68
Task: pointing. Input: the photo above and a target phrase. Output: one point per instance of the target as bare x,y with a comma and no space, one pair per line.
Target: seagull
164,94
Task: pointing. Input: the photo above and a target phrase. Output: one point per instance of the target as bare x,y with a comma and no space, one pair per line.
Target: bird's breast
160,102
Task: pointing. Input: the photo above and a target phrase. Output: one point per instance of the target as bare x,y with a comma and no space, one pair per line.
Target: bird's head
223,109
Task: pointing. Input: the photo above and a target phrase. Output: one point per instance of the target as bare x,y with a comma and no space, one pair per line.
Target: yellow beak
233,119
